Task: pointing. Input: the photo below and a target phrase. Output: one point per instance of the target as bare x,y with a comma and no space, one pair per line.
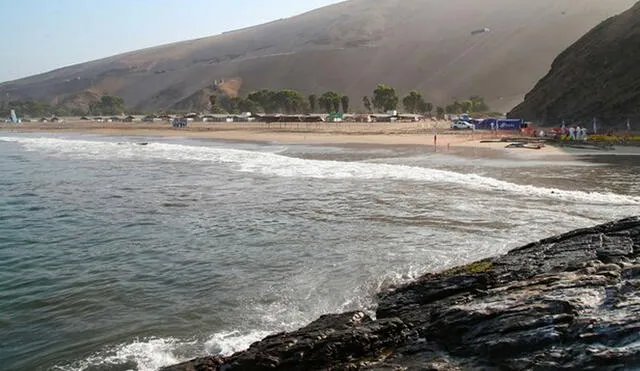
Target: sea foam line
278,165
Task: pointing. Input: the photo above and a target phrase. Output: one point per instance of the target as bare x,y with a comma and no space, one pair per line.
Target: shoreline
420,134
360,135
499,312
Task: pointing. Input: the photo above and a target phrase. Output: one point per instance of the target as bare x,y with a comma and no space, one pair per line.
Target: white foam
147,355
227,343
283,166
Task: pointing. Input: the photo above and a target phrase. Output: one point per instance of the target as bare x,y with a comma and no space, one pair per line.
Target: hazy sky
41,35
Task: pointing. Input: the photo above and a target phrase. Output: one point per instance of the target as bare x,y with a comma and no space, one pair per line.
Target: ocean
121,256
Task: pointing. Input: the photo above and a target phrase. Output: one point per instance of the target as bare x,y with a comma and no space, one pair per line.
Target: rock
566,302
594,77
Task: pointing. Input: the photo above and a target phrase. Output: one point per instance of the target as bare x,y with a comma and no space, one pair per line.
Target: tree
289,101
367,103
385,98
107,105
312,102
455,107
344,100
330,101
413,102
440,112
425,108
467,106
247,105
478,104
265,99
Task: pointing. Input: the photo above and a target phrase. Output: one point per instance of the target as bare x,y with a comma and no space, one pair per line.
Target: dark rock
566,302
597,76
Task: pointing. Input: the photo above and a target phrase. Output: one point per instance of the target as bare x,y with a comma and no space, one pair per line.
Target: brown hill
598,76
350,47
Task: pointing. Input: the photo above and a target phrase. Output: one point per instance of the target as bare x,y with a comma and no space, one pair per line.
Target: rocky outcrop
567,302
597,77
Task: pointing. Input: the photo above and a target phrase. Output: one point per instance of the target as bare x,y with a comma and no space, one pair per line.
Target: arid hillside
348,47
597,77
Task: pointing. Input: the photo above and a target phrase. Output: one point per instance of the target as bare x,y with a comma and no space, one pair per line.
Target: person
572,133
578,133
584,134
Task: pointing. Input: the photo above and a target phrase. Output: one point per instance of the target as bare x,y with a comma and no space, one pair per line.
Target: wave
274,164
153,353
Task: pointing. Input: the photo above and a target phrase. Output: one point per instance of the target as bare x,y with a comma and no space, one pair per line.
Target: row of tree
107,105
383,99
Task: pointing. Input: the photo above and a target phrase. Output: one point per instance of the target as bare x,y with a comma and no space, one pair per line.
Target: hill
348,47
595,77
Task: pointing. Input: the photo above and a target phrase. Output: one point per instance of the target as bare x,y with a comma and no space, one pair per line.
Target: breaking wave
274,164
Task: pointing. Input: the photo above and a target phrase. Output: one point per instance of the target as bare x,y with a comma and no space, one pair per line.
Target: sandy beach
385,134
343,134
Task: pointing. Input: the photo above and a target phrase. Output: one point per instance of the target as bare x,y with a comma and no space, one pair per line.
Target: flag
595,126
628,125
14,118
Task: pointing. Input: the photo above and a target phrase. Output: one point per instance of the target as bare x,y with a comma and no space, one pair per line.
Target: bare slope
349,47
598,76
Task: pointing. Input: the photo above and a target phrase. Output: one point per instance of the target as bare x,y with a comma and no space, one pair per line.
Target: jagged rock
595,77
567,302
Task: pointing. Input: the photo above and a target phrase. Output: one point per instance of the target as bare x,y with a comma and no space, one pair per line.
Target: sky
42,35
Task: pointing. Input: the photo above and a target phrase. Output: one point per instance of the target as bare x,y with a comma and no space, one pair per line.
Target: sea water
121,256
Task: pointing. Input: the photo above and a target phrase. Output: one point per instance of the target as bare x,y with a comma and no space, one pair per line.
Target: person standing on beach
572,133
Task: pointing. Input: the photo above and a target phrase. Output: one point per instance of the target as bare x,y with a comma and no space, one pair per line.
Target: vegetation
367,104
415,103
267,101
108,105
25,108
477,267
474,104
312,102
345,103
385,98
330,101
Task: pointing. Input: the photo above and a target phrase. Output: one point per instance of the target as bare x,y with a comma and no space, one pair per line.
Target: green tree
425,108
467,106
455,108
289,101
312,102
385,98
330,101
265,99
478,104
108,105
344,100
367,103
413,102
247,105
440,112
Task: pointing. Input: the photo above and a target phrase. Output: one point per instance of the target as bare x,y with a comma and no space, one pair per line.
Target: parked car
462,125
